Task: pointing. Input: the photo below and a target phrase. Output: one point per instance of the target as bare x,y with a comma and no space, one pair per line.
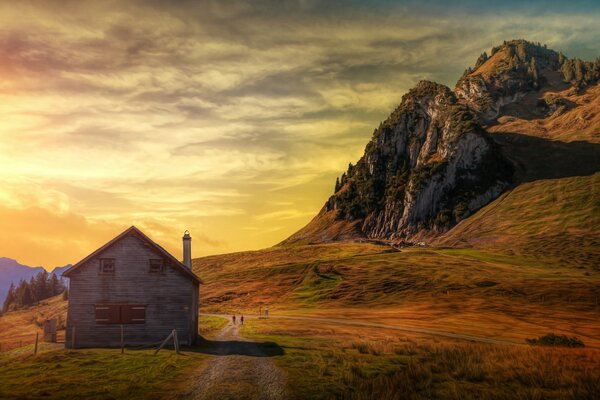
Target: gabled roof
135,231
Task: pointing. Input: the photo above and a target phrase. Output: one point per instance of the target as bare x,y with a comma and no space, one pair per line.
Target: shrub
552,339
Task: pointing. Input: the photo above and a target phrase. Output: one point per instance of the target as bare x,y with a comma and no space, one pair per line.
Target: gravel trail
240,369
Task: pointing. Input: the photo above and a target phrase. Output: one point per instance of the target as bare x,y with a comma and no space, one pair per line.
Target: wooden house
132,285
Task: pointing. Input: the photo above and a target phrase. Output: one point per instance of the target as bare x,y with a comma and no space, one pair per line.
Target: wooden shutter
133,314
107,314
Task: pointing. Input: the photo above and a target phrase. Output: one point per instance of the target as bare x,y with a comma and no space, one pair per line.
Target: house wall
171,298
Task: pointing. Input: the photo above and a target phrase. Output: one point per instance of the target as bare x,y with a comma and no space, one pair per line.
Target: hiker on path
233,318
267,312
242,320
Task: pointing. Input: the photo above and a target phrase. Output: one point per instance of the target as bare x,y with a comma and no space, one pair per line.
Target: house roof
135,231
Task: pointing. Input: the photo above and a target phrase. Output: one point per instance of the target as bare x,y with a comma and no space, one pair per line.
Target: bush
552,339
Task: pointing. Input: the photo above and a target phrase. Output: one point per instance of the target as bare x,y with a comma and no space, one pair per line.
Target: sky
229,119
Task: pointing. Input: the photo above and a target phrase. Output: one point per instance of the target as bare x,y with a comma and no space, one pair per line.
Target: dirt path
351,322
240,369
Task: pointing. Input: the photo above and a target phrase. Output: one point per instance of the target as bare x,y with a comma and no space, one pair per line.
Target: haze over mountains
522,114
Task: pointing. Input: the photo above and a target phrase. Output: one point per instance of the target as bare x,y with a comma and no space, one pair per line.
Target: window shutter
107,314
133,314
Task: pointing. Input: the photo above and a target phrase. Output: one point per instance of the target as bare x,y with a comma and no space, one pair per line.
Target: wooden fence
29,340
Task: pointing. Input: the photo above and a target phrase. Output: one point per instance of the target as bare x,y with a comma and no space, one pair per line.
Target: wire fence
29,341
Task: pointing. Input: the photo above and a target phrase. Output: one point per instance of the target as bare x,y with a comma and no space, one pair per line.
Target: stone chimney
187,249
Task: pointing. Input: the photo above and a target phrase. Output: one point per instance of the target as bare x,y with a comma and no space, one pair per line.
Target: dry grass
580,122
553,220
327,361
483,372
18,328
463,291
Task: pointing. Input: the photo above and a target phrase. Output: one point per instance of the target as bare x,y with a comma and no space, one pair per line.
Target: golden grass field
329,361
456,290
20,327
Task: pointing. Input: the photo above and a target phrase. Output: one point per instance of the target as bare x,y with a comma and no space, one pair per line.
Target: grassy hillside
554,220
19,327
509,297
328,361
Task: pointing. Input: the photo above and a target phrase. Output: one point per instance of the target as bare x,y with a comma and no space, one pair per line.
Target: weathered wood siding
171,298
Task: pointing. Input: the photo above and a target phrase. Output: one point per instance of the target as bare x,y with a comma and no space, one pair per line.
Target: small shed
132,285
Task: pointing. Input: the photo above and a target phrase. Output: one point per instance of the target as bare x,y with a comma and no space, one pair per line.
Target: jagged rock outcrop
427,166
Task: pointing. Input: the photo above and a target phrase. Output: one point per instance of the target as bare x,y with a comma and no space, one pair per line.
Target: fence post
175,341
163,343
122,341
35,348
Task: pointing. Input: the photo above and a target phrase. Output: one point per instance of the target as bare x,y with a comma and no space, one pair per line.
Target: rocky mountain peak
432,163
427,166
515,69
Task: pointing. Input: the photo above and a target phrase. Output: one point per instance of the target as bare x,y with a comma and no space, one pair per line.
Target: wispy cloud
225,118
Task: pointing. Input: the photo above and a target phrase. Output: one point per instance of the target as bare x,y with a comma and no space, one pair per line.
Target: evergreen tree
33,289
10,297
533,70
350,169
27,297
337,185
55,285
521,52
579,71
567,70
39,287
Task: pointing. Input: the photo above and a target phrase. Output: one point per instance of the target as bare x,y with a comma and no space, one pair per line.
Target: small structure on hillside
132,290
50,330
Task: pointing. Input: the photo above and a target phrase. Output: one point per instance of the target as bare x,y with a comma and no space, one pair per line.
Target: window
108,314
107,266
157,267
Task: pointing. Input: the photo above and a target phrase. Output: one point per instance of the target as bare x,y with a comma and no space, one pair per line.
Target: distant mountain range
12,271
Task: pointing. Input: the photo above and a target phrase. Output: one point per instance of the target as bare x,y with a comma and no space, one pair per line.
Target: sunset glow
229,121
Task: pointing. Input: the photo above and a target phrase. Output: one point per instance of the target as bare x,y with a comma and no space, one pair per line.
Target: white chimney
187,249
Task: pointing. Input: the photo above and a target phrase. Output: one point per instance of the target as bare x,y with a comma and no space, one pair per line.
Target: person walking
267,312
233,318
242,320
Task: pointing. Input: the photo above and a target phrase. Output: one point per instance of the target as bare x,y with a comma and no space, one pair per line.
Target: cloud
222,118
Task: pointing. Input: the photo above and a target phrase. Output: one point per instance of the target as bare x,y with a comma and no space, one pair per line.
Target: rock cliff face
432,163
427,166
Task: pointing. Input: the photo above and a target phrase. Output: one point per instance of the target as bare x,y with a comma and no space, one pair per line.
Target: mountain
522,114
13,272
520,69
